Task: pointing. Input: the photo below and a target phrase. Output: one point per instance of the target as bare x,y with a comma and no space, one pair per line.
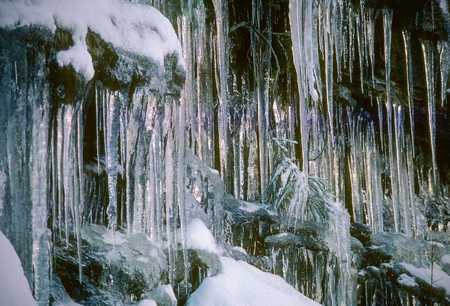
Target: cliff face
316,114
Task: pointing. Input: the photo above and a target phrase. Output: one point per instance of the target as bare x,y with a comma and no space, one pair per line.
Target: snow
446,259
167,289
114,238
79,57
199,237
240,284
136,28
147,302
440,278
14,288
406,280
240,250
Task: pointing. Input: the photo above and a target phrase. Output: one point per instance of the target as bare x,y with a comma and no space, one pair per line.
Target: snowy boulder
134,28
116,42
115,267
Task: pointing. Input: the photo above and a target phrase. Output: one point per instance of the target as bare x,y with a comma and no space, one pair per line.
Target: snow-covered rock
139,29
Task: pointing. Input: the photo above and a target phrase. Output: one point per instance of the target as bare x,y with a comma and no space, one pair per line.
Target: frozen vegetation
224,153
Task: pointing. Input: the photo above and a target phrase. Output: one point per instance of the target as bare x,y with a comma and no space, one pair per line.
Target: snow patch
14,288
114,238
199,237
147,302
240,284
440,278
406,280
446,259
133,27
240,250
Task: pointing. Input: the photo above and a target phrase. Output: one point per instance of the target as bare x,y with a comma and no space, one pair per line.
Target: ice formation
306,138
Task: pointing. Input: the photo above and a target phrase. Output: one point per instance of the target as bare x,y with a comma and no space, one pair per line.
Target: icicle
370,23
97,127
221,11
428,55
39,188
169,164
410,83
79,206
387,25
112,111
444,63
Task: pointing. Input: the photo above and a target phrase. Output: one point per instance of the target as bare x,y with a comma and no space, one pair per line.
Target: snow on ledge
136,28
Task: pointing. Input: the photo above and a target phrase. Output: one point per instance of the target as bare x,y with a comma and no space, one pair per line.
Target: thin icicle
444,65
428,55
409,83
387,26
112,162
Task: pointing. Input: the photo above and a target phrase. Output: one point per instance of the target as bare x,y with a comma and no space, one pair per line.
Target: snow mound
136,28
199,237
14,288
240,284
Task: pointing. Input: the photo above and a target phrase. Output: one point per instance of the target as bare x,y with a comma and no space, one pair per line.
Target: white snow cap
199,237
14,288
136,28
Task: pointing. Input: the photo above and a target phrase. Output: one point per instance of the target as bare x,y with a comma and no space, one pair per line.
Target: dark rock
361,232
284,240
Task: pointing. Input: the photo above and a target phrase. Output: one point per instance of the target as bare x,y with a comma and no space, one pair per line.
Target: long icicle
428,55
409,83
387,25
